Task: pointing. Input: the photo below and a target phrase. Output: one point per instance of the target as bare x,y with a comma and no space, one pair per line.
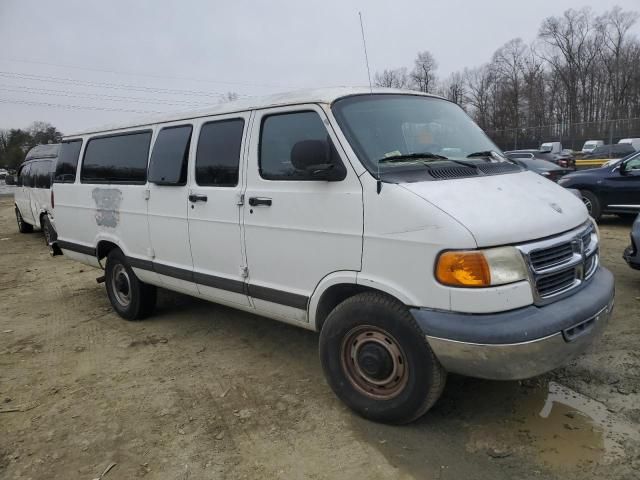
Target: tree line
16,142
575,79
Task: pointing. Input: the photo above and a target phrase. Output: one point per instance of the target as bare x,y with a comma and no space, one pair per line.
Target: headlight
481,268
563,181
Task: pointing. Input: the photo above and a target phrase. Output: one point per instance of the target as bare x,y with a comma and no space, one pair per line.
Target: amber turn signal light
463,269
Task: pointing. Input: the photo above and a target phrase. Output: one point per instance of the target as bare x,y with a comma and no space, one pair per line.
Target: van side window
168,164
118,158
280,134
41,171
218,155
22,176
67,162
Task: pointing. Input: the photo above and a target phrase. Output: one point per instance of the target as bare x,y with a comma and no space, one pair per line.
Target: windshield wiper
484,153
412,156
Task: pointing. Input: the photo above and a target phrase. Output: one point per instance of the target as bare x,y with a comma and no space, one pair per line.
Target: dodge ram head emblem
556,207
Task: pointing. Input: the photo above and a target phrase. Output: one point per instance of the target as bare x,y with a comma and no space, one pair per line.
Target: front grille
549,257
555,282
560,264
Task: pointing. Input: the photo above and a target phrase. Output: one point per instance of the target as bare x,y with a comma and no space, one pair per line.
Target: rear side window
67,162
168,165
280,134
23,176
117,159
218,154
41,173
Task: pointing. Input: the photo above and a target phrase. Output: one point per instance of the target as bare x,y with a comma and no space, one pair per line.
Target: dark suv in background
609,189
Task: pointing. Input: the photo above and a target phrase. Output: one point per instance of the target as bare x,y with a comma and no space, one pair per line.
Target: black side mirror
10,180
319,159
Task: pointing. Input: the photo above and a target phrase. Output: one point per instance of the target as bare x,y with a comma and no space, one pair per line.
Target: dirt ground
201,391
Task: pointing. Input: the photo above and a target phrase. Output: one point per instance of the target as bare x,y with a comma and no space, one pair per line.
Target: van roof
43,151
324,95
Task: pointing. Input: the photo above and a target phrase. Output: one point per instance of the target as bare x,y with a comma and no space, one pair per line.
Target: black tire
48,232
23,227
129,297
400,392
592,203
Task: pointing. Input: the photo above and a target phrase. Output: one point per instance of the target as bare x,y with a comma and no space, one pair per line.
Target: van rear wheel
23,227
377,360
129,297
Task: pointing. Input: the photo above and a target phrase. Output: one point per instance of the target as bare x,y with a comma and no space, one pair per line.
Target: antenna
366,57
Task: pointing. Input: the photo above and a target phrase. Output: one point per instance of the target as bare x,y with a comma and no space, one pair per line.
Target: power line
149,75
114,86
97,96
73,107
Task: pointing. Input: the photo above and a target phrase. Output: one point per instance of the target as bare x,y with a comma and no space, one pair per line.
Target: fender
335,278
389,288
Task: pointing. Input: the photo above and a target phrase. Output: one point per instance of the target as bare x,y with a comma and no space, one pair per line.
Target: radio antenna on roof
366,57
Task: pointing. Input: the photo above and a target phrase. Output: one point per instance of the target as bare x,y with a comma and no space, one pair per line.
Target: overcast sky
173,54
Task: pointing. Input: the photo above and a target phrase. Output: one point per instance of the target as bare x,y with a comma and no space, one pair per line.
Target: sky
79,63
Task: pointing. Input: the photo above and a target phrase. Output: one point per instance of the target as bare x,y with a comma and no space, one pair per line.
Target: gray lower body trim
75,247
519,360
261,293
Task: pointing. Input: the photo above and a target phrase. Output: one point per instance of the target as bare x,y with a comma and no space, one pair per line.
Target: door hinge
151,253
240,199
147,194
244,272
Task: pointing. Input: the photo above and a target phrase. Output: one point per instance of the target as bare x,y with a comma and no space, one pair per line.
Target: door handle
193,198
255,201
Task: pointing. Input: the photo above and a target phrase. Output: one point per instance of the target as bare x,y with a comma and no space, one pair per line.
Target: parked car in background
634,142
3,173
611,189
563,160
590,145
33,197
605,154
632,252
545,168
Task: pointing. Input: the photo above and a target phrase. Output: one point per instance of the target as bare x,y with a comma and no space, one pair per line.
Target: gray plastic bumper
520,343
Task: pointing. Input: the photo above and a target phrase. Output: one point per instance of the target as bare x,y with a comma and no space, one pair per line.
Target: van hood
505,209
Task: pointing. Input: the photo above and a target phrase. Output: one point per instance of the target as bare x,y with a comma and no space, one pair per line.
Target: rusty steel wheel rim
374,362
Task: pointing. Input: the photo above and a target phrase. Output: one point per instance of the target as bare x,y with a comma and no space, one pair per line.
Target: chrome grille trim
559,265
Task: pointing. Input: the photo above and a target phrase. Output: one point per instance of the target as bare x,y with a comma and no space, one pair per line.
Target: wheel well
103,248
335,295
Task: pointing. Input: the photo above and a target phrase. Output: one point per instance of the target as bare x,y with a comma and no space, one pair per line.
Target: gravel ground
200,391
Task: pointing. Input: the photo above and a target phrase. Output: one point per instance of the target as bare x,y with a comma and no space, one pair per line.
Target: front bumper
520,343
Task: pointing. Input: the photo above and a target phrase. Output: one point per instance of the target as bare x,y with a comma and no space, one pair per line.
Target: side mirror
319,159
10,180
623,168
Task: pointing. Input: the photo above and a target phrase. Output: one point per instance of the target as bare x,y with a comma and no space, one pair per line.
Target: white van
634,142
338,211
32,195
590,145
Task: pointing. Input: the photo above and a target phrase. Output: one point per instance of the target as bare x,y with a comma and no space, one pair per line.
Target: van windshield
394,133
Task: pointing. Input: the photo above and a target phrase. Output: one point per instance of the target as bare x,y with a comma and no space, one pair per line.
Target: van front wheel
129,297
377,360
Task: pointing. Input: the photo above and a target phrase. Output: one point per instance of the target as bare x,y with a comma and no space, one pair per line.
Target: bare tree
393,78
618,52
454,89
479,82
424,72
